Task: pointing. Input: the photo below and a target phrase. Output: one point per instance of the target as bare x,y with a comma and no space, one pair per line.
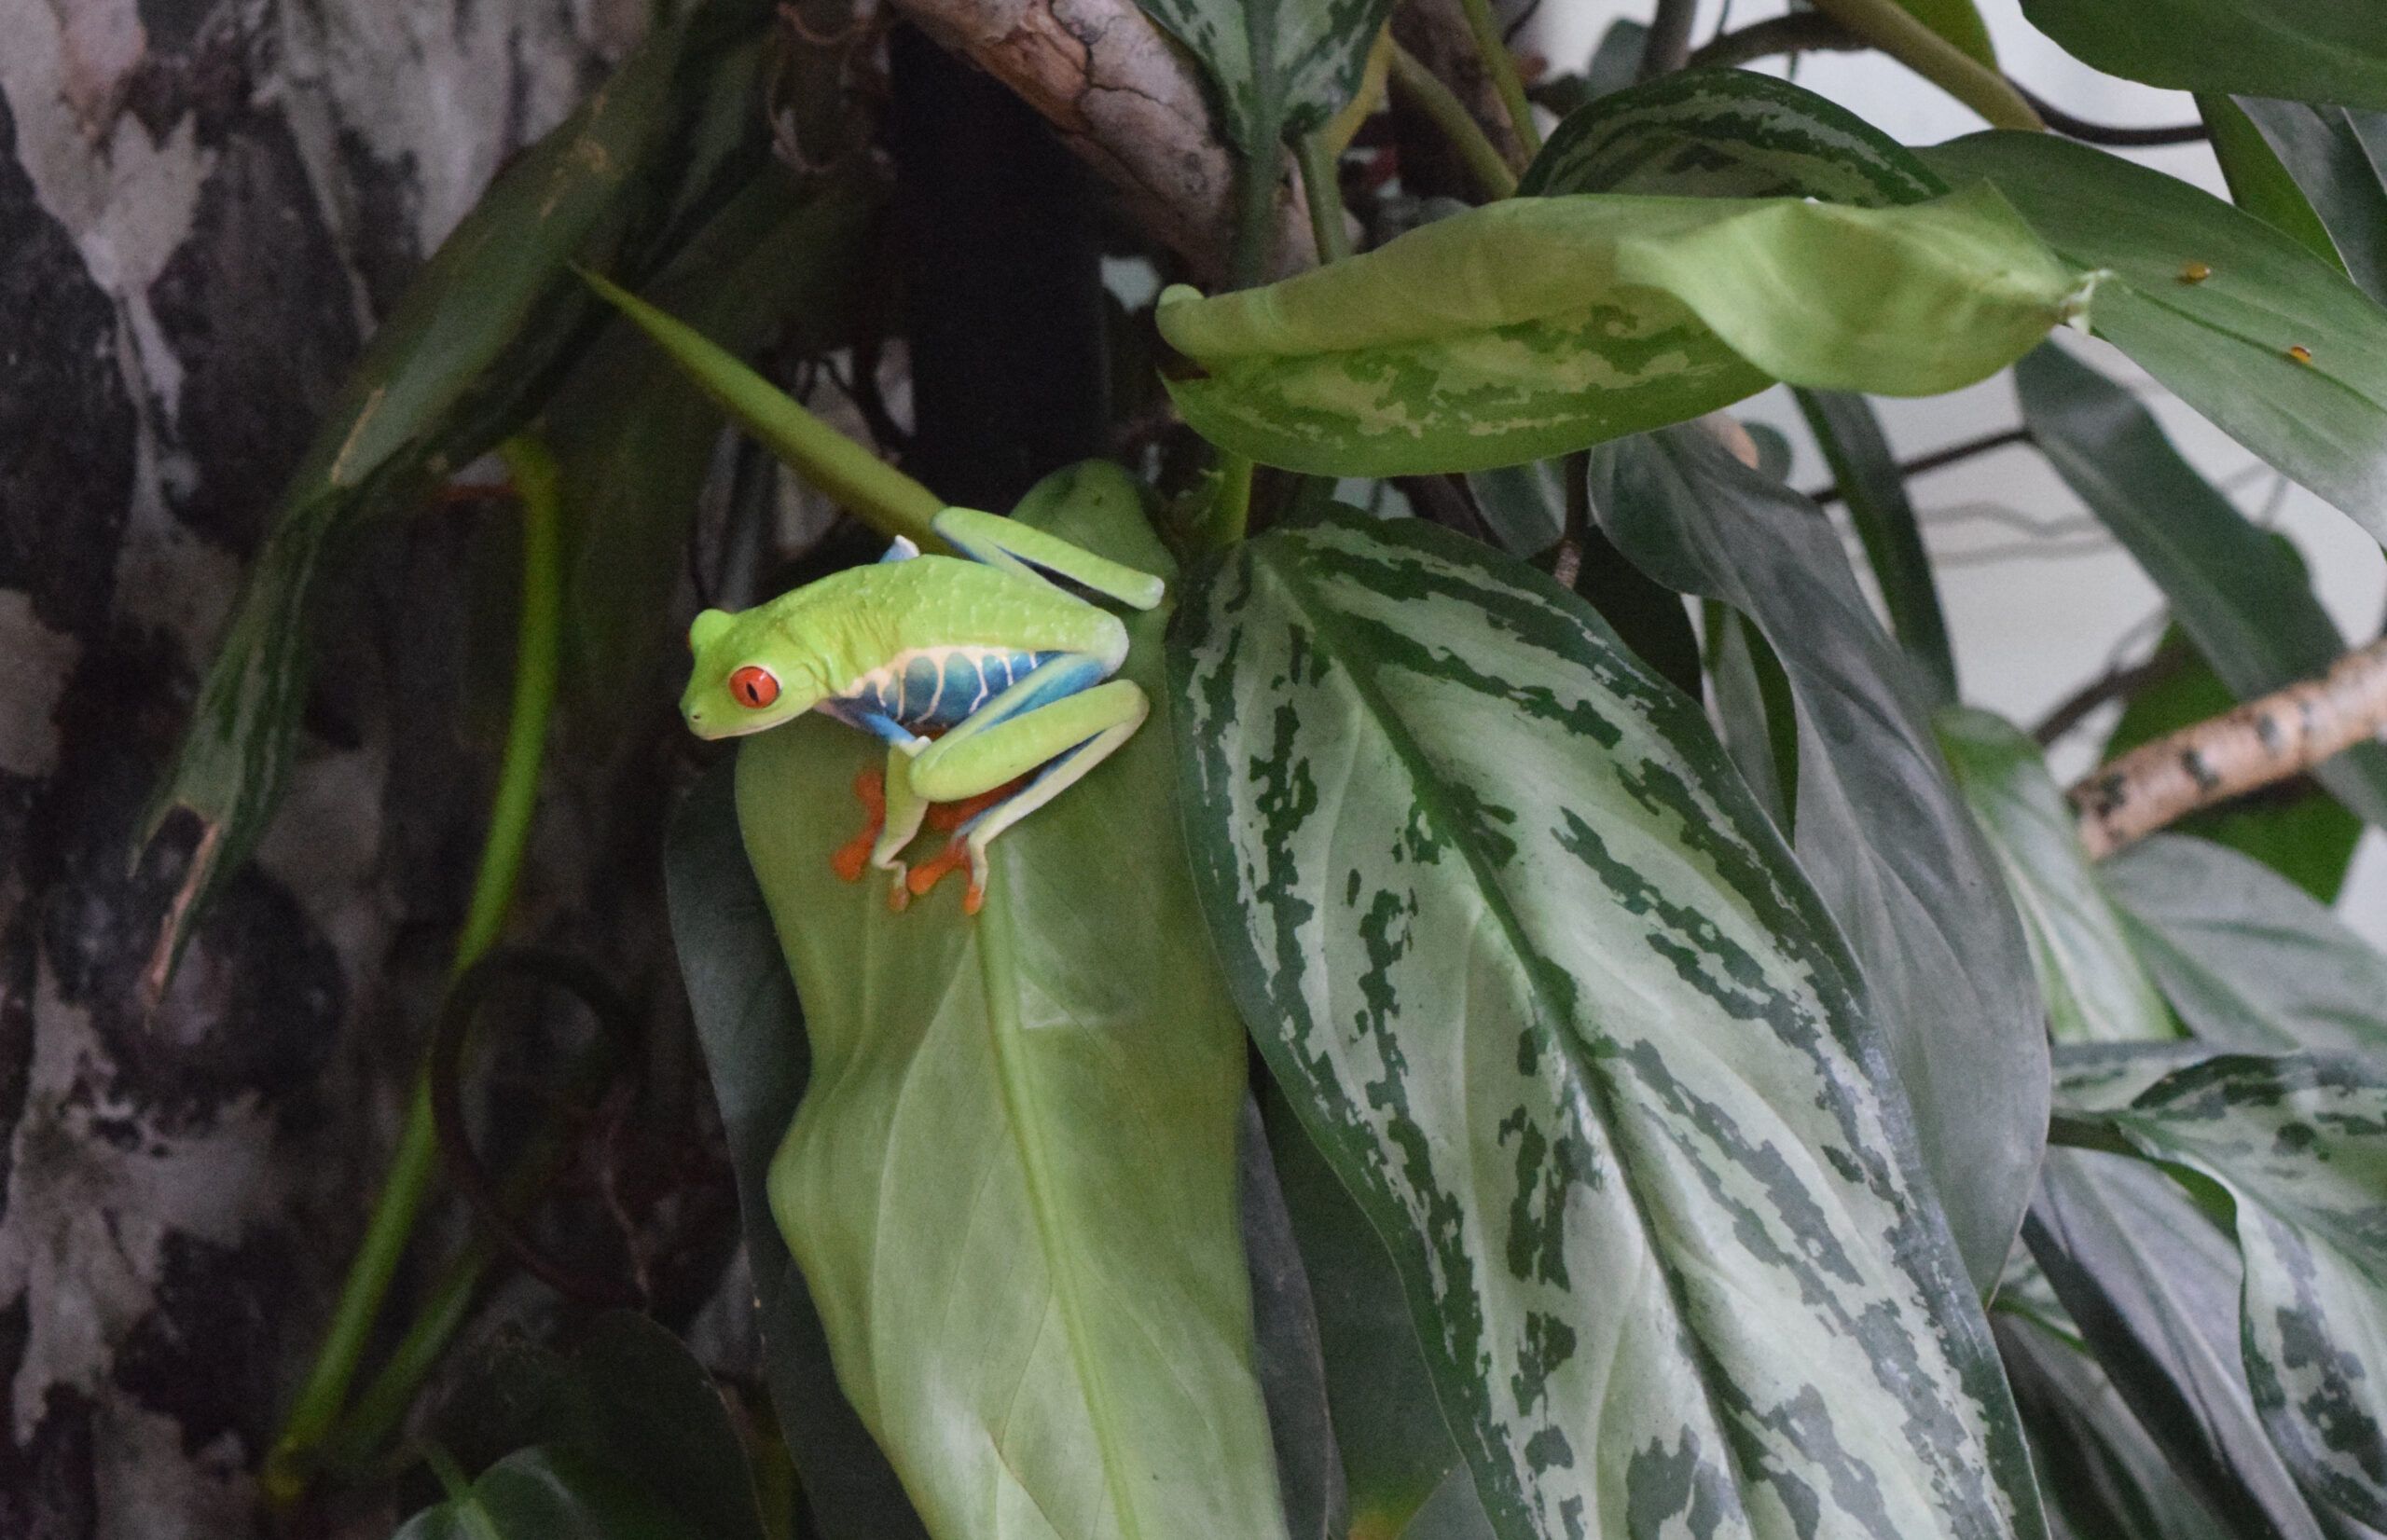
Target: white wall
2035,617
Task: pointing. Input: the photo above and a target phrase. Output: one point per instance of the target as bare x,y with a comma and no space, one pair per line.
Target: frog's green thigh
1090,727
906,808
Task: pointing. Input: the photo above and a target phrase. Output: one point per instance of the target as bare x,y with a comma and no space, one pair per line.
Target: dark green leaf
1539,325
551,1494
1288,1355
2221,342
1727,133
2297,829
746,1016
1959,22
2243,601
2299,1142
1564,1016
1012,1181
469,353
1874,490
1756,715
2338,157
1881,827
2248,958
1280,66
2152,1284
2094,987
2312,50
2258,182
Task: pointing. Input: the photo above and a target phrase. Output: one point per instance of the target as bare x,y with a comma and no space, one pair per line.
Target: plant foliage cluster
1671,1002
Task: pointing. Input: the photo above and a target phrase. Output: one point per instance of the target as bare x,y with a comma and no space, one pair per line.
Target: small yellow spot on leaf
2194,272
2301,353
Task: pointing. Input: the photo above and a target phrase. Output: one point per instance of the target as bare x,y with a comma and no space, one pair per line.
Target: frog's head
748,676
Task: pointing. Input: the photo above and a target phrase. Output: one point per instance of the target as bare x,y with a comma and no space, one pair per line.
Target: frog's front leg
1057,723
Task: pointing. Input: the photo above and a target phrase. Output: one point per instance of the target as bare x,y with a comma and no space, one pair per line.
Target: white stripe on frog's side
889,688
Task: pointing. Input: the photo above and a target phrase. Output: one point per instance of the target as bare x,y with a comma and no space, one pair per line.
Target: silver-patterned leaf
1280,66
1728,133
2093,982
1545,986
1880,828
2300,1143
1537,326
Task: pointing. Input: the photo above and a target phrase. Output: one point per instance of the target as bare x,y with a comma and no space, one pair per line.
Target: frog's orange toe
946,817
851,858
953,857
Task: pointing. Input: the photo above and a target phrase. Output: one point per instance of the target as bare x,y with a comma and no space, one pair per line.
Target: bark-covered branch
1125,99
2263,741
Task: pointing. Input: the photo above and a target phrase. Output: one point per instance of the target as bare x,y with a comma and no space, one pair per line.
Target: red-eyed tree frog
974,671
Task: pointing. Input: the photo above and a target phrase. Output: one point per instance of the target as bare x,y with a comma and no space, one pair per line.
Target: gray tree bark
204,204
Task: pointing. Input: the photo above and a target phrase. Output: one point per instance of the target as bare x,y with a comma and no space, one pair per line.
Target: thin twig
1938,458
1799,31
2112,684
2088,132
2283,734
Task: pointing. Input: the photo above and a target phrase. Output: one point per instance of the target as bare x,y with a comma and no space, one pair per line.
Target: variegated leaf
1280,66
2300,1143
1880,828
1555,1000
1727,133
1012,1182
2248,958
2093,985
1539,325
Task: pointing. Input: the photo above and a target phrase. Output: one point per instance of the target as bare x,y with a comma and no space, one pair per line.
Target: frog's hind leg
1089,726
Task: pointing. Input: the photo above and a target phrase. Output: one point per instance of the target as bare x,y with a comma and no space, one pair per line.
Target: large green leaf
2259,182
1559,1007
1881,827
471,350
752,1031
2093,982
2223,342
542,1493
1280,66
2248,958
2301,1144
2312,50
1537,326
1012,1181
2338,157
2243,601
2151,1284
2297,829
1873,489
1727,133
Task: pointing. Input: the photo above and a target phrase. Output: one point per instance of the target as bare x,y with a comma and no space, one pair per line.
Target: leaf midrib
1434,806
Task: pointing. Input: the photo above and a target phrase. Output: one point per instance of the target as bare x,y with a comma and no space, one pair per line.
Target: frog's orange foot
946,817
855,855
954,856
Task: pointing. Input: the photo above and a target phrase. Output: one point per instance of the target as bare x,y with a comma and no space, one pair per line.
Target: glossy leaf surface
1537,326
1555,1000
1727,133
2258,181
2301,1144
2312,50
2338,157
2152,1285
1012,1181
2245,602
2248,958
1881,827
1874,492
2221,343
2094,989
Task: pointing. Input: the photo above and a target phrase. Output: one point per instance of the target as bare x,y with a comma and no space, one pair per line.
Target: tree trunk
203,206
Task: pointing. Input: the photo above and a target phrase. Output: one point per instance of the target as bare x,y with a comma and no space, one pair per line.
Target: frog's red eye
753,687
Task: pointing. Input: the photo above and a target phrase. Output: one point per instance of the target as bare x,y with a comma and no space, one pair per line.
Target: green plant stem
1891,28
1255,217
417,1161
878,493
1491,169
1502,67
1234,507
1321,183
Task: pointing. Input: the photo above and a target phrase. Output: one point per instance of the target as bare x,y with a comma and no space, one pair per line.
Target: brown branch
1801,31
1128,102
2267,740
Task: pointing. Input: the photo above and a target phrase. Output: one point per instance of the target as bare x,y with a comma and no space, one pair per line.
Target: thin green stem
1321,183
1893,30
1255,217
1490,169
878,493
1232,514
417,1161
1502,67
